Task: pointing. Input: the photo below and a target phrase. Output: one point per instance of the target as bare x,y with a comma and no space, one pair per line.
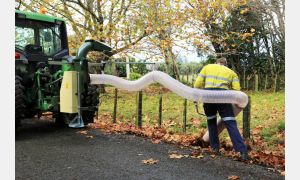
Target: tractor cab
39,37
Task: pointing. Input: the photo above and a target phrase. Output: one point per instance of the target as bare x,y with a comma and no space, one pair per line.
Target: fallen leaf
267,152
82,132
90,137
195,122
271,169
176,156
155,141
233,177
282,173
198,157
195,153
149,161
196,147
172,152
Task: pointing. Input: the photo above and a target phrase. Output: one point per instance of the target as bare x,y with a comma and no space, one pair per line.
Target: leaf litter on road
157,135
233,177
175,156
149,161
84,132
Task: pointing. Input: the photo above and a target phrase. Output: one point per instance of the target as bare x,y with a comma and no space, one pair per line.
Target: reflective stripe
215,77
236,80
228,118
210,83
216,85
201,75
211,117
219,78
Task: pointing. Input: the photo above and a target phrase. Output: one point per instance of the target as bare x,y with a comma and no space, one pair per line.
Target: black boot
244,156
216,151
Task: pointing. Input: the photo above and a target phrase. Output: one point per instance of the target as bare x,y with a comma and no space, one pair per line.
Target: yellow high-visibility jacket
217,76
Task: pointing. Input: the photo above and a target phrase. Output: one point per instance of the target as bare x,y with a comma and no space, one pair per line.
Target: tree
114,22
165,21
249,33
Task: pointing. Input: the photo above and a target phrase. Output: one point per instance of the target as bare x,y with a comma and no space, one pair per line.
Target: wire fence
139,112
186,78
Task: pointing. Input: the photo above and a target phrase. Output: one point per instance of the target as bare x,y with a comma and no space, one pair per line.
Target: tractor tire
91,99
20,106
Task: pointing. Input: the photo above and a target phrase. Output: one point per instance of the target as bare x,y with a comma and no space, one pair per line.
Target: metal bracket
197,109
77,122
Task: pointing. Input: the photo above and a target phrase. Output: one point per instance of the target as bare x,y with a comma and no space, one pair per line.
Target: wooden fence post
246,120
187,77
184,115
140,109
115,106
160,111
256,82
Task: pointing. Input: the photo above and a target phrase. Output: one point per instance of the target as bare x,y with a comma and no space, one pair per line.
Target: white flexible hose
197,95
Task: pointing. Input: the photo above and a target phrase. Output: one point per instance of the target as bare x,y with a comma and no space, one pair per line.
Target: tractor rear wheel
20,106
90,100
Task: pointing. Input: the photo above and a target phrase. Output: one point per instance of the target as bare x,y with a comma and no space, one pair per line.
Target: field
267,113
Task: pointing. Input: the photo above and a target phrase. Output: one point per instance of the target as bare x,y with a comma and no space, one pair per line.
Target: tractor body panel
68,93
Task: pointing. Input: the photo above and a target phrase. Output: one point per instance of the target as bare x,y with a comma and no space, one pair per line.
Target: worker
219,77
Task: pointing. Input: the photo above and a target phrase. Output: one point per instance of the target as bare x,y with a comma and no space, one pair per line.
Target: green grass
267,110
172,108
281,126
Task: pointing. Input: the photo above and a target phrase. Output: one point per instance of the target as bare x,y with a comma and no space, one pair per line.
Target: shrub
134,76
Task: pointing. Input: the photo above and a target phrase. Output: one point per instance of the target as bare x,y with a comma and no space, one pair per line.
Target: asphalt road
44,151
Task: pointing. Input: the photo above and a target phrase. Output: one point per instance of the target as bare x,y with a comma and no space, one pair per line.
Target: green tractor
41,62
